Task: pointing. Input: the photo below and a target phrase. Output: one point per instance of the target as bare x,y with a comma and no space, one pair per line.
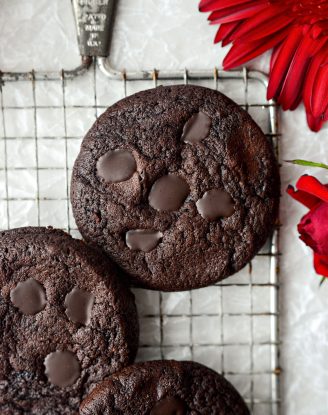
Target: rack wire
233,326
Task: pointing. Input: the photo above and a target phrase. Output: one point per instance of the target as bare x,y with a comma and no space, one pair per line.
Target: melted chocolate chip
169,406
168,193
116,166
197,128
214,204
29,297
62,368
79,305
143,239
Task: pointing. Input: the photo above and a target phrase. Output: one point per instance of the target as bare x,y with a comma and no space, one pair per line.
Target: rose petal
313,229
311,185
305,198
305,229
321,264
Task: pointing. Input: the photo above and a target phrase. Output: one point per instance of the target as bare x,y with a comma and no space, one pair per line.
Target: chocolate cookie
178,185
165,388
66,321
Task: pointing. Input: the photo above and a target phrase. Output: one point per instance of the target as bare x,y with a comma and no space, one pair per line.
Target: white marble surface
172,34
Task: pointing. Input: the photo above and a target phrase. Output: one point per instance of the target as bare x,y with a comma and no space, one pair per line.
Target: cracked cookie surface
188,174
165,387
66,321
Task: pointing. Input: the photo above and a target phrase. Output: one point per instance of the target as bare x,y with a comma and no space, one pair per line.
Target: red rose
313,227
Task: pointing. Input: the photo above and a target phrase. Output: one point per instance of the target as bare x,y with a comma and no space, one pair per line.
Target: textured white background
40,34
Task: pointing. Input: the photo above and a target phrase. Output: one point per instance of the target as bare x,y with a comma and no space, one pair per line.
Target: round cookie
165,388
178,185
66,321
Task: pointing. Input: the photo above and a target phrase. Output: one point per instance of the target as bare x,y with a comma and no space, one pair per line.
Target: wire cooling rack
232,326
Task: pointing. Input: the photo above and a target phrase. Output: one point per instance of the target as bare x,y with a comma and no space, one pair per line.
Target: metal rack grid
232,326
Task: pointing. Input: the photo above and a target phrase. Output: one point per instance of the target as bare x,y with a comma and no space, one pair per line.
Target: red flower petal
228,39
311,185
313,228
314,123
307,240
225,31
243,52
321,264
292,89
282,62
325,115
264,29
303,197
210,5
310,78
297,100
275,54
296,73
266,16
320,93
237,13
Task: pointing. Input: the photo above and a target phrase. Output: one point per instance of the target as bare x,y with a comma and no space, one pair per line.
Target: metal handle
94,20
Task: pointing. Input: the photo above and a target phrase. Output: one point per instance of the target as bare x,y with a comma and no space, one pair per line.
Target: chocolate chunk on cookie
165,388
178,185
66,321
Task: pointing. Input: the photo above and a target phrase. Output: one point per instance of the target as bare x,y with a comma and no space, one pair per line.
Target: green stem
322,281
300,162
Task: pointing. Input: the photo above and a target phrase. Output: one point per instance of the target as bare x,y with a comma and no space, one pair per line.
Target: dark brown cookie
178,185
66,321
165,388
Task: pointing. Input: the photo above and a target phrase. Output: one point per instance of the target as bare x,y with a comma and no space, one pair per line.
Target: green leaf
308,163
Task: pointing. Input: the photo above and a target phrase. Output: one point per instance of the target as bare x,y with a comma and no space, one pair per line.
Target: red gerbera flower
297,30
